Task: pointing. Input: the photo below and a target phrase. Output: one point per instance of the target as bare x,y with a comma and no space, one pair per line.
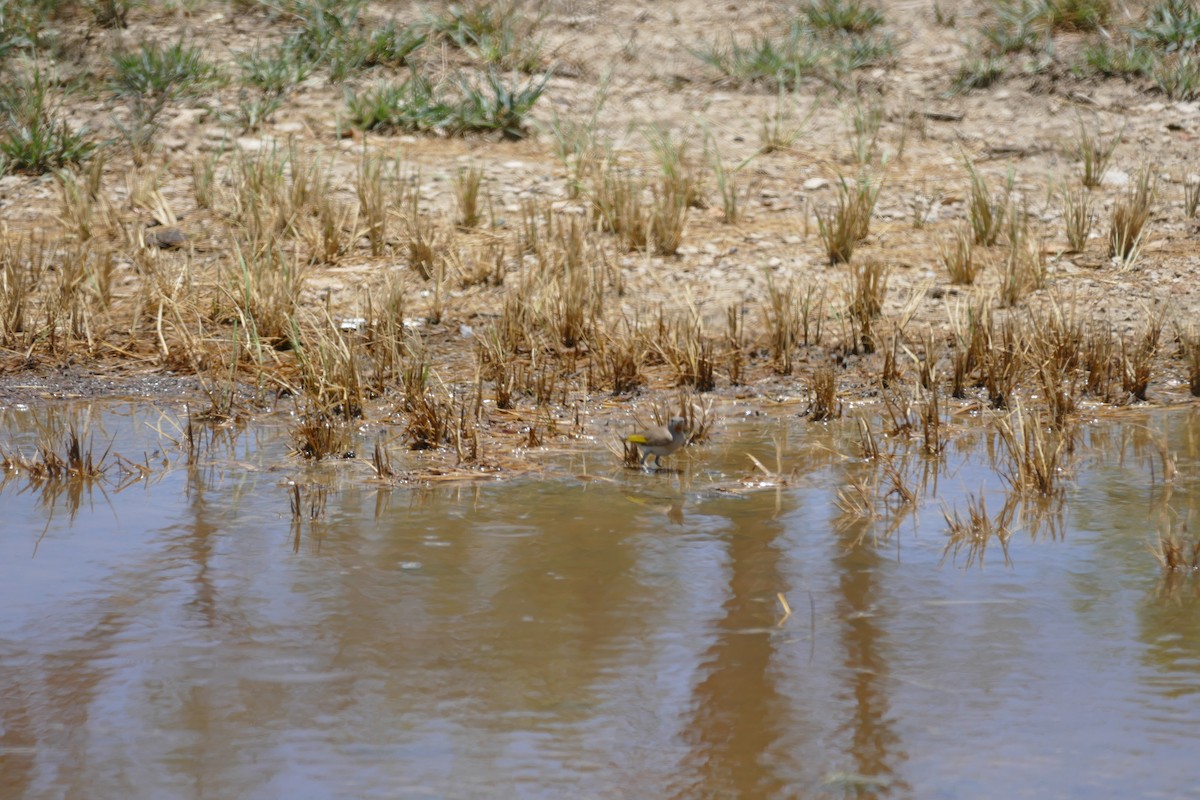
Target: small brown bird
661,441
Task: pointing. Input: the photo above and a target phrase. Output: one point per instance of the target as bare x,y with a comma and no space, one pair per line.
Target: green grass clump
152,72
772,62
273,72
1172,25
26,26
151,76
1078,15
330,34
418,105
1177,75
109,13
34,135
325,26
494,34
1129,59
1162,49
1017,27
800,51
392,46
848,16
978,73
495,105
411,105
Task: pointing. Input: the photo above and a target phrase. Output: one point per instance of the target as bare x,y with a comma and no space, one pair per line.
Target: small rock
813,184
169,238
290,127
1115,177
251,145
187,118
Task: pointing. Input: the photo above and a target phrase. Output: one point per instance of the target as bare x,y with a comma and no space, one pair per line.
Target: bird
660,441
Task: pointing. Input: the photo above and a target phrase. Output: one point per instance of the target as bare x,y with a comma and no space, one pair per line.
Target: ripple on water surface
661,634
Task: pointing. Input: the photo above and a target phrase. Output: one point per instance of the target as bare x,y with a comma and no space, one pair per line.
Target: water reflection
618,635
737,715
872,744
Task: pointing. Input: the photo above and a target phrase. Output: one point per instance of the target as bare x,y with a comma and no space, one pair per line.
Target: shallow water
615,635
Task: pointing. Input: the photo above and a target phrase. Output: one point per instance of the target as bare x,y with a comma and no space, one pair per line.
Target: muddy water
619,635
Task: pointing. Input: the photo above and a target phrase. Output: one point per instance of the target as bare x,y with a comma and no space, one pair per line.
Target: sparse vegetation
35,136
987,212
152,76
1191,196
1128,222
1078,217
958,256
834,38
823,404
234,241
973,532
1095,155
417,104
978,73
848,221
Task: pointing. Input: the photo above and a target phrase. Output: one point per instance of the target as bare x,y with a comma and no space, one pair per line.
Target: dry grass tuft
467,185
1095,154
76,462
689,351
1190,343
1036,453
621,357
1175,554
1127,226
848,221
977,529
372,195
1137,360
958,257
1191,197
307,503
782,323
1078,216
823,403
319,434
1024,269
986,211
868,285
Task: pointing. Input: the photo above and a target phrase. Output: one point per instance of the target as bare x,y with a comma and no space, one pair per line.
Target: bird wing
659,438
